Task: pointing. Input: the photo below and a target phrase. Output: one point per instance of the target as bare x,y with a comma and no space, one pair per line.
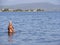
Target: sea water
31,28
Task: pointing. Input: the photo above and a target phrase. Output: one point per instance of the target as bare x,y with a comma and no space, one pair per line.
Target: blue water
32,28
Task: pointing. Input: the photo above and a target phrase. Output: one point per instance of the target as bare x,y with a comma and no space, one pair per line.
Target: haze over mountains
45,6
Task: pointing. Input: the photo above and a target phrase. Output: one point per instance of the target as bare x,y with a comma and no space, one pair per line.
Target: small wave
47,41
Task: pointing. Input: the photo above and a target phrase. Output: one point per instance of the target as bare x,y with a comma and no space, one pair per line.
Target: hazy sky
14,2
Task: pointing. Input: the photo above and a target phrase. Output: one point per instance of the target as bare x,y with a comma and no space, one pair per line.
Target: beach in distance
31,28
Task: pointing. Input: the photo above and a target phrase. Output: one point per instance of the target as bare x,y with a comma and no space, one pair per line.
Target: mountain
45,6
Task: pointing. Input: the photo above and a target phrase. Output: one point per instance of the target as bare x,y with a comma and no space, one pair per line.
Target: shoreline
21,10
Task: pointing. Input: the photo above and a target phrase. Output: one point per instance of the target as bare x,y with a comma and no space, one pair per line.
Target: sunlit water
38,28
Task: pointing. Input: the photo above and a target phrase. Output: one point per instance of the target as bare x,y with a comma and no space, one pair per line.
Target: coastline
21,10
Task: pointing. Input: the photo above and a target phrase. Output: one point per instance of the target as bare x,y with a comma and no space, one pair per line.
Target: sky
14,2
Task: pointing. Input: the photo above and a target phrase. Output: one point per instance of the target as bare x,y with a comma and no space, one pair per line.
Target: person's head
10,23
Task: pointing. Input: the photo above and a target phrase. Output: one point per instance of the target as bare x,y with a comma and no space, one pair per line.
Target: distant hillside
45,6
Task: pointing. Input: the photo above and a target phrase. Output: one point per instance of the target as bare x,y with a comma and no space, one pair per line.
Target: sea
31,28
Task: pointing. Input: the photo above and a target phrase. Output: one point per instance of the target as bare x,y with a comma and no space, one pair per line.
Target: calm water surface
32,28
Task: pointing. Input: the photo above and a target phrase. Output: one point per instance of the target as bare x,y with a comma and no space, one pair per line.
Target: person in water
10,27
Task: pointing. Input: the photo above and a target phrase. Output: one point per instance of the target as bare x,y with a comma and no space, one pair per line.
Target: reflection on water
10,35
39,28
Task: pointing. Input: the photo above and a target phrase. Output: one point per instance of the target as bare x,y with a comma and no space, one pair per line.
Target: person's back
10,27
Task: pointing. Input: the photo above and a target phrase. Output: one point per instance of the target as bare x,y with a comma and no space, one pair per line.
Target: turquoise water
32,28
